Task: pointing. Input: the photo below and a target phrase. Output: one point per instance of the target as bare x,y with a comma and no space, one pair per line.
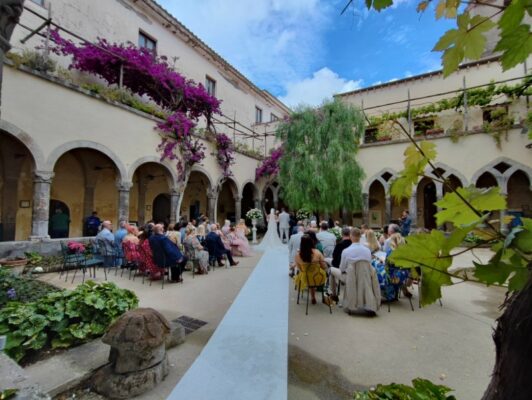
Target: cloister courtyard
329,355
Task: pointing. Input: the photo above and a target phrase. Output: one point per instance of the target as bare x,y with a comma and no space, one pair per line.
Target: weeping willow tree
319,170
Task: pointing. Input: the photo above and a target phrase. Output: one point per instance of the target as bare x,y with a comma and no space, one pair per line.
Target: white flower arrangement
254,213
303,213
336,231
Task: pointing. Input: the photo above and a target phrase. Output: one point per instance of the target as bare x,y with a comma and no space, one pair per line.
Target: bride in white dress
271,239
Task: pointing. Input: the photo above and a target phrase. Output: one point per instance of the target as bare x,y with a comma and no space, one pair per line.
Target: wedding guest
121,233
173,235
284,225
293,247
241,233
392,228
199,253
399,277
340,247
308,254
317,245
363,229
384,236
132,235
406,221
200,232
183,231
105,233
371,241
327,239
216,248
355,252
166,254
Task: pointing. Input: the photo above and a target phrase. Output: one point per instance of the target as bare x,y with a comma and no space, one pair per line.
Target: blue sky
303,51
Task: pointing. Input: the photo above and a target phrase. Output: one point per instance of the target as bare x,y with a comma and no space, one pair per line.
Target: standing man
284,225
406,221
59,224
92,223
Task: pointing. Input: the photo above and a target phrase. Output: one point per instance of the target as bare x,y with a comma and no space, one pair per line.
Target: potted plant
17,264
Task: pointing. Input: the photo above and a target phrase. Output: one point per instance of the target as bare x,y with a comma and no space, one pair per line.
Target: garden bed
40,323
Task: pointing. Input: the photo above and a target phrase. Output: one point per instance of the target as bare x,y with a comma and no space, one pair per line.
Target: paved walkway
246,358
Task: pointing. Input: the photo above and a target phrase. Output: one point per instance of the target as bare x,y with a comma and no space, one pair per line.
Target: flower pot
17,265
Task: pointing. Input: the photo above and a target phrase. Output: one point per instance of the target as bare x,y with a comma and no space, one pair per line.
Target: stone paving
332,355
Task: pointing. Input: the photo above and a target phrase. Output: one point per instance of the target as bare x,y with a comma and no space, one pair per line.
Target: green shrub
21,289
63,319
422,389
33,60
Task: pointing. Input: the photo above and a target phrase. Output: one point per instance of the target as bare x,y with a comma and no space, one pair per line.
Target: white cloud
321,86
270,41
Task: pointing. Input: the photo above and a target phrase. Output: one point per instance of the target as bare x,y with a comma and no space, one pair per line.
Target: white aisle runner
247,356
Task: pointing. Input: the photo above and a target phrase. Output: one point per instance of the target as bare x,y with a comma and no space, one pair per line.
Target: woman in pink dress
239,242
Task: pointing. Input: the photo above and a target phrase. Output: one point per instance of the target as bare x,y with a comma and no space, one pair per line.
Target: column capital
212,193
238,199
43,176
124,186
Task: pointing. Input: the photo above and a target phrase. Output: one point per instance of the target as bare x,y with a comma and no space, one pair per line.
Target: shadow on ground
323,379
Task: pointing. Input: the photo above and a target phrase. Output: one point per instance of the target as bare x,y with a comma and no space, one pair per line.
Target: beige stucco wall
121,20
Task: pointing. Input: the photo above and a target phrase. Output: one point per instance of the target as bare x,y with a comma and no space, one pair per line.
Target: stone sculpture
138,354
10,11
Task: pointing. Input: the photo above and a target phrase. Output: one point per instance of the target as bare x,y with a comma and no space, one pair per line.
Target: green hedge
422,389
21,289
64,318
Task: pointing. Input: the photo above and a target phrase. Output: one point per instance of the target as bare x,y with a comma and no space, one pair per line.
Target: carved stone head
10,11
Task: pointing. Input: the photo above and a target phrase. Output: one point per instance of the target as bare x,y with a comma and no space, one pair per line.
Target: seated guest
132,235
371,241
399,277
239,243
121,233
327,239
317,245
199,253
216,248
355,252
293,246
384,236
309,255
340,247
105,233
200,232
146,232
392,228
173,235
363,229
166,254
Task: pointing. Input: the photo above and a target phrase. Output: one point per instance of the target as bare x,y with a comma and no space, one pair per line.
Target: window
273,117
147,42
370,134
210,85
258,115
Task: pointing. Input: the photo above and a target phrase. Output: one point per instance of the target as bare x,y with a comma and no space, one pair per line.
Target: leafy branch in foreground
421,389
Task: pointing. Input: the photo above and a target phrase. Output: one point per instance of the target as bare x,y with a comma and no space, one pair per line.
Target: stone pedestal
42,184
138,354
254,231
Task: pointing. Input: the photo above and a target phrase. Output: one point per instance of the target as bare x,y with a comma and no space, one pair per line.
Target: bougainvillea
225,153
144,74
270,165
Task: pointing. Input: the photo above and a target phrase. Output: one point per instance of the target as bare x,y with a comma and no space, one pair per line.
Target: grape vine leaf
506,266
378,5
415,164
454,209
515,45
468,41
430,251
523,239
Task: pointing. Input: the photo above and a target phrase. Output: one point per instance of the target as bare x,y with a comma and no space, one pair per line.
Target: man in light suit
293,247
284,225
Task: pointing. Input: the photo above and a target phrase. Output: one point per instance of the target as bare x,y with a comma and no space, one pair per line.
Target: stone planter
17,265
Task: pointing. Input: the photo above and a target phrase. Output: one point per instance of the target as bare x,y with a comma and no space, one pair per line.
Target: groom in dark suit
216,248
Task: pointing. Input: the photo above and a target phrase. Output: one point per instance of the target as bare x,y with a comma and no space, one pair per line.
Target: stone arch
173,181
233,184
450,171
256,192
228,193
379,177
80,144
250,196
199,168
502,177
27,141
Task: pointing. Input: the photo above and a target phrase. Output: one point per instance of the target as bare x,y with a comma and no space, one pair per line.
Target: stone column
141,209
174,204
42,183
123,200
412,208
387,209
212,196
238,208
10,11
257,203
365,208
